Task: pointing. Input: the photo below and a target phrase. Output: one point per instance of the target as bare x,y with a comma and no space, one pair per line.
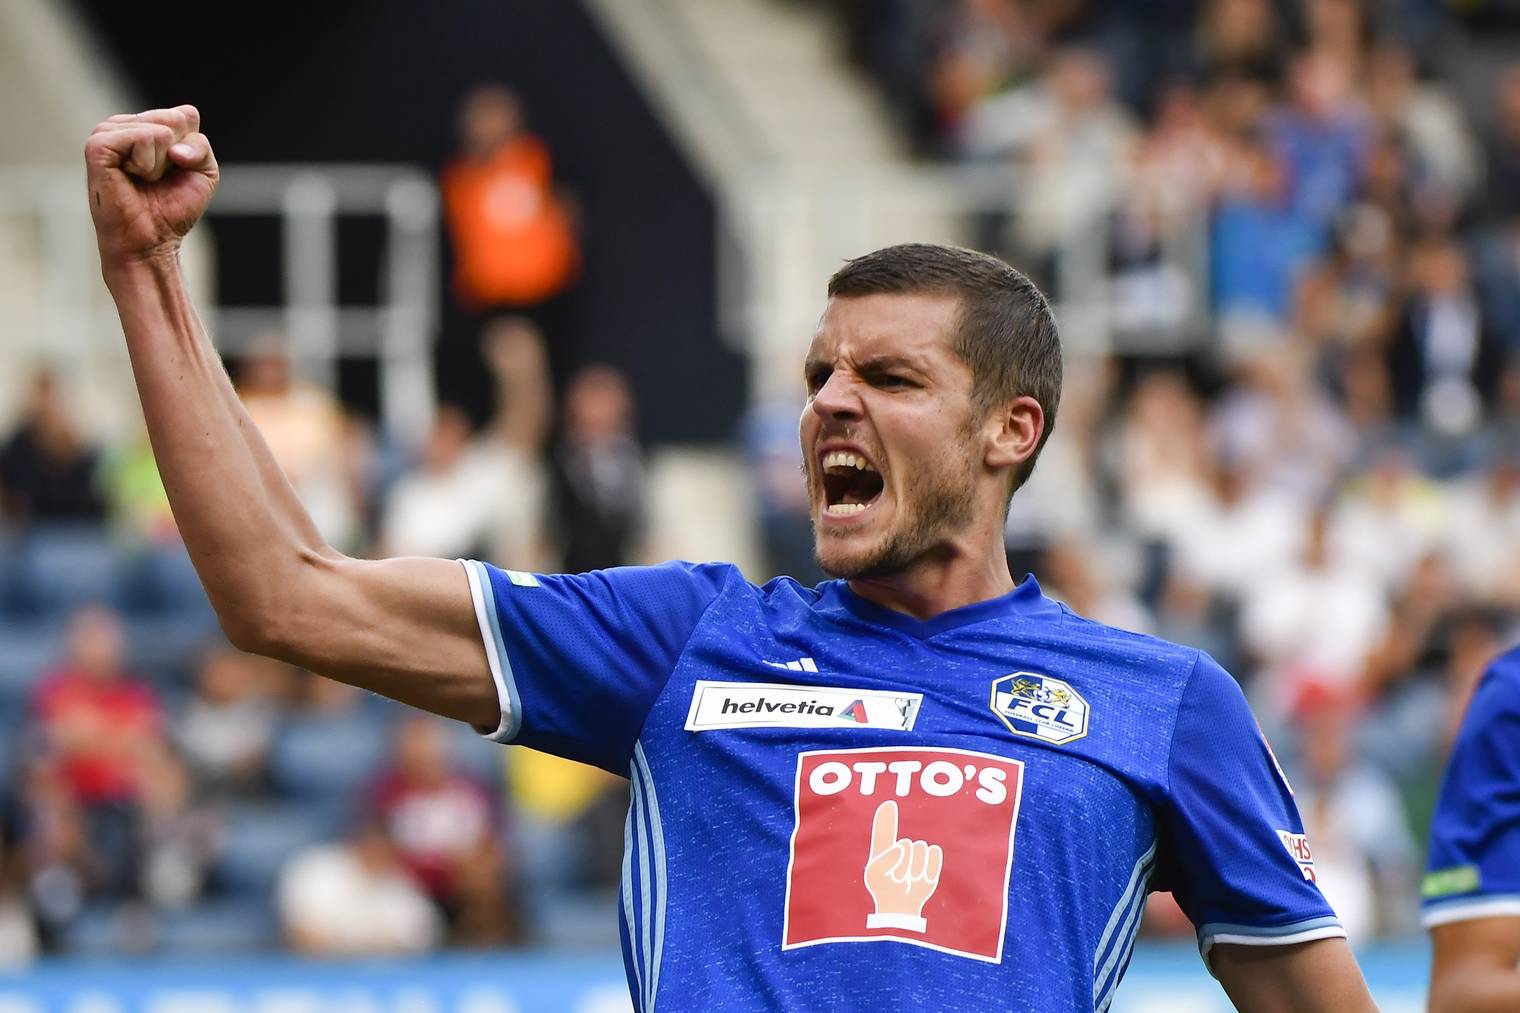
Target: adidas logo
800,665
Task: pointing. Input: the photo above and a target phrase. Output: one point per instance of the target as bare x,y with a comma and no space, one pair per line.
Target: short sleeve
1236,857
1474,865
579,659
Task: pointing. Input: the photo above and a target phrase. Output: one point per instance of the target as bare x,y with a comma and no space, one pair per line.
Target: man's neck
934,586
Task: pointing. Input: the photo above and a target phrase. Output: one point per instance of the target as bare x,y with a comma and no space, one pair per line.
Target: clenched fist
150,176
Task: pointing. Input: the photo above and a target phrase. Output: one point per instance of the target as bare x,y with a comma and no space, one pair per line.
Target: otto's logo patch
1298,847
913,845
1040,707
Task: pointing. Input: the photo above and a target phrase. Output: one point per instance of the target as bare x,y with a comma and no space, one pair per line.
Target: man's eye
816,380
892,380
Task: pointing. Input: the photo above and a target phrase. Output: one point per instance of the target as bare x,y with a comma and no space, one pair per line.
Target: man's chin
850,562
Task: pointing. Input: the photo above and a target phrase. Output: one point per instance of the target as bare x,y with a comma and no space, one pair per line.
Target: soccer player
1472,892
916,787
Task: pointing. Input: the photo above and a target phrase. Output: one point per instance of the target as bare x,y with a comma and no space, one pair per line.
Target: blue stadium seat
221,927
478,757
160,580
27,650
106,929
57,569
328,759
260,839
165,649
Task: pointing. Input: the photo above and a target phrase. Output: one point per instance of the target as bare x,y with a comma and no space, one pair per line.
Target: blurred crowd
1320,485
160,791
1319,480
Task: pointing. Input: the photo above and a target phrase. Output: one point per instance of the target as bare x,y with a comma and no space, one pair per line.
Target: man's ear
1013,432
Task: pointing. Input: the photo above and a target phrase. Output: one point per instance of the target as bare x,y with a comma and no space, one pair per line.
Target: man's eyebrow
880,362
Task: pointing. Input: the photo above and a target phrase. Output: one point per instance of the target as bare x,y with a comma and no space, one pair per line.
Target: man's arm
1474,966
404,628
1293,978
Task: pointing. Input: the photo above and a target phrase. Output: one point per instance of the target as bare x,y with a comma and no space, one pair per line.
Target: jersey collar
1026,600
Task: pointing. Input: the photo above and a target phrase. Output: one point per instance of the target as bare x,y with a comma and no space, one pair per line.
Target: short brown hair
1007,334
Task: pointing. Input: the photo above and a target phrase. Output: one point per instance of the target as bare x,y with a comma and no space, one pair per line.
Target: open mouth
850,483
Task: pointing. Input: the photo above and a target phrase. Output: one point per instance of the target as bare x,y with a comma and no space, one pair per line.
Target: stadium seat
328,759
58,569
161,581
164,649
260,839
27,650
220,927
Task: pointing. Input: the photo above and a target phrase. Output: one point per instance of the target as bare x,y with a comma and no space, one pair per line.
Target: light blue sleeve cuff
496,654
1461,909
1214,933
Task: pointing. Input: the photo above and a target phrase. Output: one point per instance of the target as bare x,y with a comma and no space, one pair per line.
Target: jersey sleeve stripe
484,601
628,915
657,840
1112,941
1306,931
1461,909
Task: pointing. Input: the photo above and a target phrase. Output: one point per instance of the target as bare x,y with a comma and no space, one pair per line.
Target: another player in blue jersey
916,787
1472,892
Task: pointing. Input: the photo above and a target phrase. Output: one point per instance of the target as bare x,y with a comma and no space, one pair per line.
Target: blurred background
531,281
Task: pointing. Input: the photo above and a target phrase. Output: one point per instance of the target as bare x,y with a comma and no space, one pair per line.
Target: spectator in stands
18,936
308,434
597,478
1364,856
225,730
1281,427
102,736
1260,245
1242,38
983,47
1250,530
1074,155
355,898
448,833
1351,300
1162,459
1070,575
1448,161
1481,535
481,497
48,470
1444,359
1314,624
1502,194
1321,136
512,230
1387,518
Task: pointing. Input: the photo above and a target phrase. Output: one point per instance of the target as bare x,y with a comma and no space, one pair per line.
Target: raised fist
150,178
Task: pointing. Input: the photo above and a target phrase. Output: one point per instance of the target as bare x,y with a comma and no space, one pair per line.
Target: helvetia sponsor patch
716,705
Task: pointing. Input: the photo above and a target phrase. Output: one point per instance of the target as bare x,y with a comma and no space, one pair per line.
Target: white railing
67,320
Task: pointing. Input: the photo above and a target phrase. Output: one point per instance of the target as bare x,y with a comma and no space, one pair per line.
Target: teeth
845,509
844,459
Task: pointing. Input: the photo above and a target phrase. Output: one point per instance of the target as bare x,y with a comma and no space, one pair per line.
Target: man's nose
838,398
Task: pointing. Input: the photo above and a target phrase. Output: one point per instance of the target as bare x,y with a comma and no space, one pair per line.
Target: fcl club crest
1040,707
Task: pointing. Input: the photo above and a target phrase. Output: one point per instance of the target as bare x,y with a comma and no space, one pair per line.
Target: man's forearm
1479,989
240,520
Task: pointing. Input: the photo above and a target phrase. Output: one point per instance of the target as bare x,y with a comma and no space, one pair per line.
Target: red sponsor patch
908,844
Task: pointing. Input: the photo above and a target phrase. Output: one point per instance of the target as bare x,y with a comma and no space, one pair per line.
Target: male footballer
918,786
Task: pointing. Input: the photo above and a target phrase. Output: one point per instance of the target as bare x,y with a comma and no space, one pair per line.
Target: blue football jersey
1474,866
835,805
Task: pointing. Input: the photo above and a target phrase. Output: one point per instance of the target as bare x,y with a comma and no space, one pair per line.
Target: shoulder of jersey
1147,647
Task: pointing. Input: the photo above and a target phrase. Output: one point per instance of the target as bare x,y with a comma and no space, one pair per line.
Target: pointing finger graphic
884,828
901,874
